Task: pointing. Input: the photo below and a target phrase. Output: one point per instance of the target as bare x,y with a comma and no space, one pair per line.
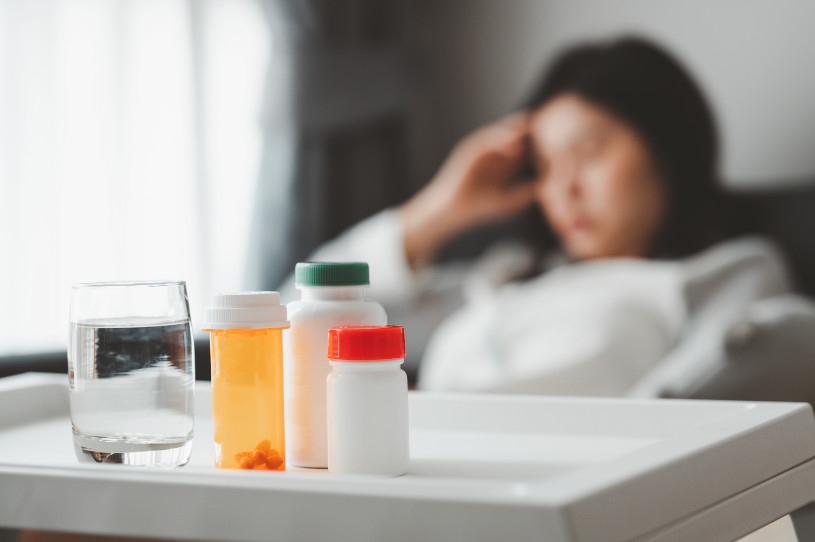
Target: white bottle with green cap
332,295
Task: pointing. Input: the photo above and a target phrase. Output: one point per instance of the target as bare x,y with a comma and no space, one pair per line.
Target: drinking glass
131,373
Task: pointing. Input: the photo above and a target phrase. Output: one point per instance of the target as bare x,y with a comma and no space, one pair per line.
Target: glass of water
131,373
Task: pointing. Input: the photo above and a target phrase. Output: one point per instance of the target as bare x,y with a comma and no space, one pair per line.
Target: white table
483,468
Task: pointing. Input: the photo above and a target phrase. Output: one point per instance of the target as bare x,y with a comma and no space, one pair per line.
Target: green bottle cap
331,274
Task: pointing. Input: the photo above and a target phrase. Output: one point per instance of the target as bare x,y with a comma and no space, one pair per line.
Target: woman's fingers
509,200
505,136
474,186
520,196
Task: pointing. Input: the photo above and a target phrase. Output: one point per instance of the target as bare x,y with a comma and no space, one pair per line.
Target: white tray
483,468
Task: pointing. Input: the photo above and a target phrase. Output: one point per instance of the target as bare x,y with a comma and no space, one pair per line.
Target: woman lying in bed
623,145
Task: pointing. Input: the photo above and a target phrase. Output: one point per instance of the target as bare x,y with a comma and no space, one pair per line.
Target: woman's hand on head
475,186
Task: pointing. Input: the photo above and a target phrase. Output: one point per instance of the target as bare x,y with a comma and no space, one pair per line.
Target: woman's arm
473,187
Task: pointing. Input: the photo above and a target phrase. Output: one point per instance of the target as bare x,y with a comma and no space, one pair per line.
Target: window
129,149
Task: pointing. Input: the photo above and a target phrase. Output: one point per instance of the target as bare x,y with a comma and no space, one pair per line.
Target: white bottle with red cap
367,402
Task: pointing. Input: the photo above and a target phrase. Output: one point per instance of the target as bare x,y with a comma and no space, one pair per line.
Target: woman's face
596,183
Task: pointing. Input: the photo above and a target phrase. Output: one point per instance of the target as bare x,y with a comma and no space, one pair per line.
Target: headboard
787,216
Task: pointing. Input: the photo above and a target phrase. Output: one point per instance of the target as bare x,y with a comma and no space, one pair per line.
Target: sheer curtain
129,149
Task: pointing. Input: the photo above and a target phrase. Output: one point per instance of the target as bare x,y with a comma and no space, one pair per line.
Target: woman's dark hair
645,87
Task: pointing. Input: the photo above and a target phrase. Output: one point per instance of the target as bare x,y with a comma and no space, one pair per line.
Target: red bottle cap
366,343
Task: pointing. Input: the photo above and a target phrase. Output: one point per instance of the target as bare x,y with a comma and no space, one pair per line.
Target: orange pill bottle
246,350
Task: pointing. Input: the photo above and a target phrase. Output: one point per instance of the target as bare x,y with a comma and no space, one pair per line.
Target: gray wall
755,59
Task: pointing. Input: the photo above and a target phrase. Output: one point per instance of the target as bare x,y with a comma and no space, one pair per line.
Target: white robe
591,328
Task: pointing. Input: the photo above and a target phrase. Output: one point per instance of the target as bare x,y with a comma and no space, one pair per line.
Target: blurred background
219,141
